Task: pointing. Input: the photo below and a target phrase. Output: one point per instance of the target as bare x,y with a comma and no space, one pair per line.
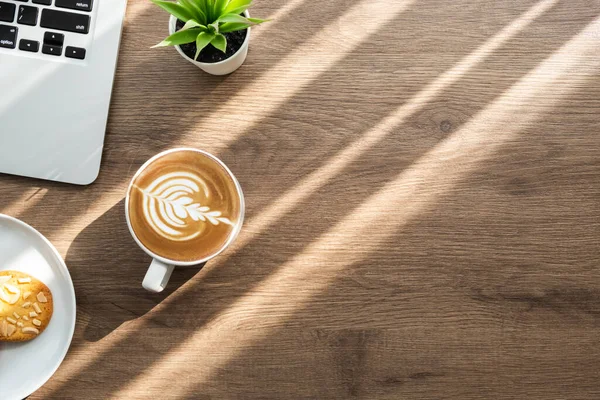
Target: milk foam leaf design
198,213
184,208
170,209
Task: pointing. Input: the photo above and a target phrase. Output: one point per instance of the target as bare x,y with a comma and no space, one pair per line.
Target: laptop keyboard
17,18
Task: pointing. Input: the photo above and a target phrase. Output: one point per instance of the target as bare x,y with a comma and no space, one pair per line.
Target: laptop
57,66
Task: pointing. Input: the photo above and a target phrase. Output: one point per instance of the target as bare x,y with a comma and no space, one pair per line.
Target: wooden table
423,189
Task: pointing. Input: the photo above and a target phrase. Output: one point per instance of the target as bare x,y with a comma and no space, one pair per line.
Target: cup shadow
112,294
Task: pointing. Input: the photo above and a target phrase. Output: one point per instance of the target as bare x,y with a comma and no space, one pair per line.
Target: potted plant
211,34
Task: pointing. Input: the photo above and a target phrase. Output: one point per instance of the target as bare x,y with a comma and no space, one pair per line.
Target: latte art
170,209
184,206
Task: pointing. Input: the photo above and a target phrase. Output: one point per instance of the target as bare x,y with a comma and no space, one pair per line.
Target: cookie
25,306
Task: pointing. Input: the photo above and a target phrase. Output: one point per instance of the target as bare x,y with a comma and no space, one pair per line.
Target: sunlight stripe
398,203
298,69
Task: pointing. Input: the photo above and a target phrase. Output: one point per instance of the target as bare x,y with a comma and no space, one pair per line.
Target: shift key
65,21
82,5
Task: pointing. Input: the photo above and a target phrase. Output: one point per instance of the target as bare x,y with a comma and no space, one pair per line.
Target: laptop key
43,2
75,52
27,15
29,45
65,21
52,50
8,36
54,39
7,12
82,5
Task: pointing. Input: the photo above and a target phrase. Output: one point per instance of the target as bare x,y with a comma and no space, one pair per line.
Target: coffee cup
183,207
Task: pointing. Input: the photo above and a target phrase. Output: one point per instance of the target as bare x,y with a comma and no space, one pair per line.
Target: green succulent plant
206,21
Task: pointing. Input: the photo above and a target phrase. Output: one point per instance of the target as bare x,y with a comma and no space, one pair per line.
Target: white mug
161,268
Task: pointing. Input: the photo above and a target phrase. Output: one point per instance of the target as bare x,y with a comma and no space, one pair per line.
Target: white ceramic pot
222,67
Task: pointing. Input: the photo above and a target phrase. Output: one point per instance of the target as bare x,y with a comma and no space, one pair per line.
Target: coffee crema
184,206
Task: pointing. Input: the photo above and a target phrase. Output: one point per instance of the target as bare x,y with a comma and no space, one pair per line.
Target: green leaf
237,6
234,22
234,18
205,6
174,9
232,27
238,10
202,41
220,6
179,37
203,16
194,8
257,21
213,9
192,24
220,42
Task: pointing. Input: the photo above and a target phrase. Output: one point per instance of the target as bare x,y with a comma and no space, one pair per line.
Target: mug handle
157,277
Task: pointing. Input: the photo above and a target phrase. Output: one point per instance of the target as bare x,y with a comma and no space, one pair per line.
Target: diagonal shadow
84,235
512,246
443,116
280,183
160,102
120,240
118,312
163,365
113,294
248,282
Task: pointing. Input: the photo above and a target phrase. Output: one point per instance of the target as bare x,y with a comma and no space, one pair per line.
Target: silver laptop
57,66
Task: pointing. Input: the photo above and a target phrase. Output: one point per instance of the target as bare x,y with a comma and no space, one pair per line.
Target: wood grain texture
423,188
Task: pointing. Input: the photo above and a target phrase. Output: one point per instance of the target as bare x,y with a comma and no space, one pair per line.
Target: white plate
25,367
